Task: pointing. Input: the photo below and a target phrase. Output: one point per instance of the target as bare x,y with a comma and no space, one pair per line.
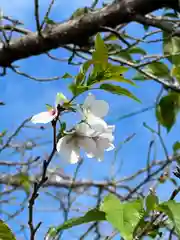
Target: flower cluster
92,134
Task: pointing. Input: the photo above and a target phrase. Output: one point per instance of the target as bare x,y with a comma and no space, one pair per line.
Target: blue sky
25,97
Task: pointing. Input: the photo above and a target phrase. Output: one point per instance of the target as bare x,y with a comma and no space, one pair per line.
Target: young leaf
101,52
175,72
151,202
137,50
118,90
172,210
60,98
67,75
166,110
171,47
76,90
158,69
123,216
5,232
90,216
139,77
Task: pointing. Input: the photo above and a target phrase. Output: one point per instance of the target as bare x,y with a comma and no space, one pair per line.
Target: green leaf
90,216
101,52
175,72
137,50
5,232
124,55
151,202
112,72
172,209
118,90
60,98
158,69
139,77
176,146
171,47
76,90
167,109
67,75
123,216
49,107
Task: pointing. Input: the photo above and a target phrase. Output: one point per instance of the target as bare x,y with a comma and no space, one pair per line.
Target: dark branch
80,29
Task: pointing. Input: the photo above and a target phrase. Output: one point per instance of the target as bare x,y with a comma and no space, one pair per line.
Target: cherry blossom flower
84,137
93,111
48,116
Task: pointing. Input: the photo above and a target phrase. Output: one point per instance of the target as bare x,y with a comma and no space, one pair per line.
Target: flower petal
108,136
99,108
43,117
89,101
88,144
111,147
96,123
68,149
83,129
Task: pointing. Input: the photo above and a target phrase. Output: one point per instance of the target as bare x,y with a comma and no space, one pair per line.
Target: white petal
89,101
108,136
68,149
111,147
111,128
88,144
43,117
83,129
96,123
75,155
99,108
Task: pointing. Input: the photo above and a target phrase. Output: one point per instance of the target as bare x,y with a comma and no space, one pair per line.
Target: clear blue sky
24,97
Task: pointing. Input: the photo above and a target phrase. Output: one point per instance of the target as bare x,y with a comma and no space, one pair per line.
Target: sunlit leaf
101,51
139,77
172,209
151,202
118,90
167,109
137,50
5,232
175,72
123,216
76,90
67,75
171,47
158,69
90,216
60,98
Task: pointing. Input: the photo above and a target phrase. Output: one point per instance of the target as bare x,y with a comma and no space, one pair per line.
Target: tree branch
79,30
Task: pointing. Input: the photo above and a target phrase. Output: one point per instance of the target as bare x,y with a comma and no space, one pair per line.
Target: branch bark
78,31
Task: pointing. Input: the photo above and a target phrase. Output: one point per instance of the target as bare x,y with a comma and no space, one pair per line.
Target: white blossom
44,117
93,111
48,116
84,137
